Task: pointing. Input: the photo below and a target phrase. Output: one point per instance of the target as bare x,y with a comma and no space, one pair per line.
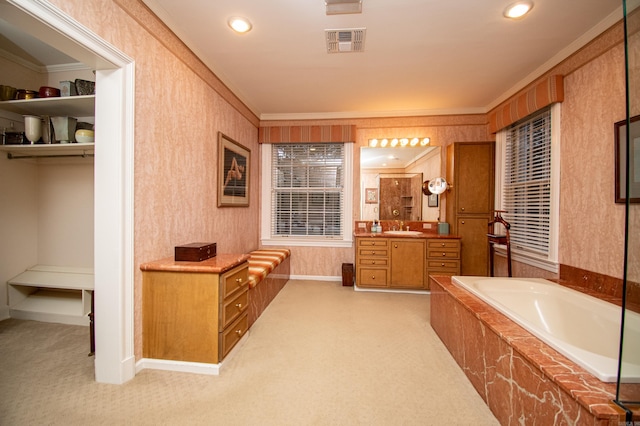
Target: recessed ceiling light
518,10
240,25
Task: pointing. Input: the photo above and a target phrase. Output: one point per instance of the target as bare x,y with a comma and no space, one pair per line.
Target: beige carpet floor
321,354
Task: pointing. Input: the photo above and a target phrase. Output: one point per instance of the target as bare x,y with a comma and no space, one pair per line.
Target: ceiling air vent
344,41
338,7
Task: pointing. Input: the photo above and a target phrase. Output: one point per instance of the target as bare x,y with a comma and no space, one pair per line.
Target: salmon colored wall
178,114
591,224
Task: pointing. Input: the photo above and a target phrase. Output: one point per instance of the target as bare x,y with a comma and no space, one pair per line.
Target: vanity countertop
433,235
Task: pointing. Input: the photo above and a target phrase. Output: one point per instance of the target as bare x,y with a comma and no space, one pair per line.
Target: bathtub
583,328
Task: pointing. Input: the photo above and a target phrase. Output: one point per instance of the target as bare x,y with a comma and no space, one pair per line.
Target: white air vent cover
338,7
347,40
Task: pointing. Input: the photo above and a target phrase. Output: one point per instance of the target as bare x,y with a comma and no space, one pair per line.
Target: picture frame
371,195
234,161
432,200
620,133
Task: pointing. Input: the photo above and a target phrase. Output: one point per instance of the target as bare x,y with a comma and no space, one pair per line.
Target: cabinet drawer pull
239,332
395,246
373,252
444,254
239,281
442,264
463,222
442,244
373,263
462,209
239,306
373,277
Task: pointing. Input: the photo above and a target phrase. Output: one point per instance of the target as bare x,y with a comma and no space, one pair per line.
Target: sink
403,232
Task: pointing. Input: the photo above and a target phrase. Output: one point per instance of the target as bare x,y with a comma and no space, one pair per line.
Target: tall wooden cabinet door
408,263
475,246
474,180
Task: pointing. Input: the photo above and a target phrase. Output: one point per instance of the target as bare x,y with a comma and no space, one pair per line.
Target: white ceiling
420,56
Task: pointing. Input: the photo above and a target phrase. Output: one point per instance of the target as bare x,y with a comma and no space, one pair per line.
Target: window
308,200
529,186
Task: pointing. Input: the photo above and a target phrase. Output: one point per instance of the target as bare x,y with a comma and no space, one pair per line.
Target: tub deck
517,375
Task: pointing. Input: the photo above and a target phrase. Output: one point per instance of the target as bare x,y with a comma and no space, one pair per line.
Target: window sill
299,242
528,259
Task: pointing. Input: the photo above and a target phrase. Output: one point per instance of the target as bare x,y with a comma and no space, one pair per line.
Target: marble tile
522,380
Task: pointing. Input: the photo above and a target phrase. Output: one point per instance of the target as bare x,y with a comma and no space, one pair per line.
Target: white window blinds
307,190
527,183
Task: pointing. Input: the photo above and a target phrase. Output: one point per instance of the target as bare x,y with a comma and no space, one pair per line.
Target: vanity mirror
398,174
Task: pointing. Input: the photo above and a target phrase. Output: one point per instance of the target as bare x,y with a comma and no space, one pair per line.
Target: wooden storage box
195,252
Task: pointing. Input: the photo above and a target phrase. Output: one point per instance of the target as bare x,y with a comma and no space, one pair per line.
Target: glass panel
629,393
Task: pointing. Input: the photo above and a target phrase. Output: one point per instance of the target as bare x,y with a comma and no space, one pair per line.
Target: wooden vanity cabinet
443,256
408,263
391,263
372,262
194,316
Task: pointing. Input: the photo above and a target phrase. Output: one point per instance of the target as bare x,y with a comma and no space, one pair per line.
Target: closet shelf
49,150
73,106
52,294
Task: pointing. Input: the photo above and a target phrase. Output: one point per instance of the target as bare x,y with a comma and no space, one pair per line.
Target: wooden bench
269,271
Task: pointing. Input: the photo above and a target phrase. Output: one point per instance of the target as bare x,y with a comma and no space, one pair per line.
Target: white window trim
265,216
550,262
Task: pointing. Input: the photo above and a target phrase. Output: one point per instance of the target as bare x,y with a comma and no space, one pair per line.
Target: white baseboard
182,366
389,290
315,277
188,366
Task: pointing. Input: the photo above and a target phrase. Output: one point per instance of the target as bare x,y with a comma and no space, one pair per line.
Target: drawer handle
442,244
373,263
395,246
373,277
462,209
239,306
444,254
239,332
463,222
373,252
442,264
239,281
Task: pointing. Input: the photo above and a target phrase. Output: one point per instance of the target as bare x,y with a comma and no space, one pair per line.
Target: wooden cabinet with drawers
397,263
193,313
443,256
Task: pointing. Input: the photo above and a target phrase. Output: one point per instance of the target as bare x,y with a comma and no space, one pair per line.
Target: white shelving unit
72,106
45,292
52,294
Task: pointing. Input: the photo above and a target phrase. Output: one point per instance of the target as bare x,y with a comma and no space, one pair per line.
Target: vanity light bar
399,142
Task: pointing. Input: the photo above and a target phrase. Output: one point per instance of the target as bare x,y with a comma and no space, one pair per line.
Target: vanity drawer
443,244
372,242
233,334
434,265
373,251
234,280
233,308
371,277
373,262
443,254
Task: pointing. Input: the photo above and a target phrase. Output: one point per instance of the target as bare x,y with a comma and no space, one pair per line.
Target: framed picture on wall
433,200
621,160
371,195
233,173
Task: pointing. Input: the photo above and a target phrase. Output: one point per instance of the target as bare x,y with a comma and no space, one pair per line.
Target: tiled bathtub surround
522,380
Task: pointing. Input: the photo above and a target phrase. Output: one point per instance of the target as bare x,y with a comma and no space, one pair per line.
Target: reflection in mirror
403,165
